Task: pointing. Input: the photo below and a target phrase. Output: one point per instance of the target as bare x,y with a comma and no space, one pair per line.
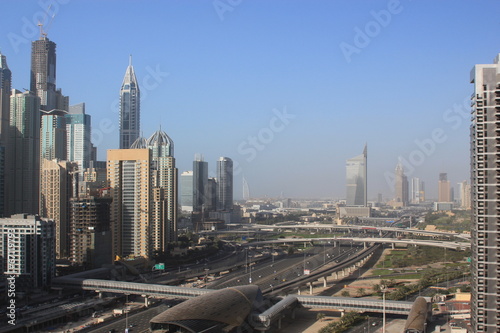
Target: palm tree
320,316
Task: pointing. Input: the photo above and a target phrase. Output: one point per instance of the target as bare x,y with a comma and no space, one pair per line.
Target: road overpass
366,240
332,227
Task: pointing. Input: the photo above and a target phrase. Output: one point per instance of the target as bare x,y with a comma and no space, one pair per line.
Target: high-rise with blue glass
130,114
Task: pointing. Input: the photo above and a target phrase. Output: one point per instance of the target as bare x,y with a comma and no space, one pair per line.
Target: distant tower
465,192
401,186
130,114
416,189
187,191
200,183
78,136
246,189
356,180
225,184
444,190
23,162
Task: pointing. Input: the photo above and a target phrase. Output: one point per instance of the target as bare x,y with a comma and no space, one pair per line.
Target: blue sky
287,89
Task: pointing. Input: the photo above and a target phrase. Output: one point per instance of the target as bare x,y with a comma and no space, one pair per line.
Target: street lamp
126,313
383,289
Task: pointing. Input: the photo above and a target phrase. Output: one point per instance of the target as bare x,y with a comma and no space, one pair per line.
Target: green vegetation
348,320
457,221
418,256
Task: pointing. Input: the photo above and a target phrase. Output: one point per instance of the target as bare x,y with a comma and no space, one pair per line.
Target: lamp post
126,313
383,288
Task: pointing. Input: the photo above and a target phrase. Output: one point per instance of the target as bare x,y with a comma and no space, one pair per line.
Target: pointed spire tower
130,100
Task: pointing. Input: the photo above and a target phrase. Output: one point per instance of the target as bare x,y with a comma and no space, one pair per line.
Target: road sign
160,266
307,272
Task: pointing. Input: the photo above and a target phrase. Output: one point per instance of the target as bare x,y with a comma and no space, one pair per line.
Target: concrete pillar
392,244
310,288
279,323
298,291
342,313
335,275
146,301
324,281
100,295
364,245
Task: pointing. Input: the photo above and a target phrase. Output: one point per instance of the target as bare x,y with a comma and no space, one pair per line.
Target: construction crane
43,34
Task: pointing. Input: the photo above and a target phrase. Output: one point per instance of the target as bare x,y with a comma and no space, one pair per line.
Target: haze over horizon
287,89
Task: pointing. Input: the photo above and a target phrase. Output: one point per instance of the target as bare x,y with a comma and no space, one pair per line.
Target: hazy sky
288,89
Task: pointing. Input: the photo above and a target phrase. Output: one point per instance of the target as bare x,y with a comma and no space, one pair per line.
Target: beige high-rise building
56,189
144,188
444,190
128,177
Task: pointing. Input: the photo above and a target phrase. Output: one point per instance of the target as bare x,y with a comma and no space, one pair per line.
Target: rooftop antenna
130,60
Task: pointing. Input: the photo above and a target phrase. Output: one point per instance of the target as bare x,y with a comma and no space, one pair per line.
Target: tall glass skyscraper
225,184
53,135
485,176
200,183
130,114
356,180
78,136
23,160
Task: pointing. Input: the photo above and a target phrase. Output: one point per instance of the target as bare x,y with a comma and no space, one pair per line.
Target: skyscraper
164,191
485,175
53,135
465,191
416,189
23,161
78,136
200,183
128,177
401,186
187,191
43,72
356,180
130,114
56,189
143,181
225,184
5,85
444,190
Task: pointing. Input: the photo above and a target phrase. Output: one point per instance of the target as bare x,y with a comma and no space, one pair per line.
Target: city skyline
294,87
